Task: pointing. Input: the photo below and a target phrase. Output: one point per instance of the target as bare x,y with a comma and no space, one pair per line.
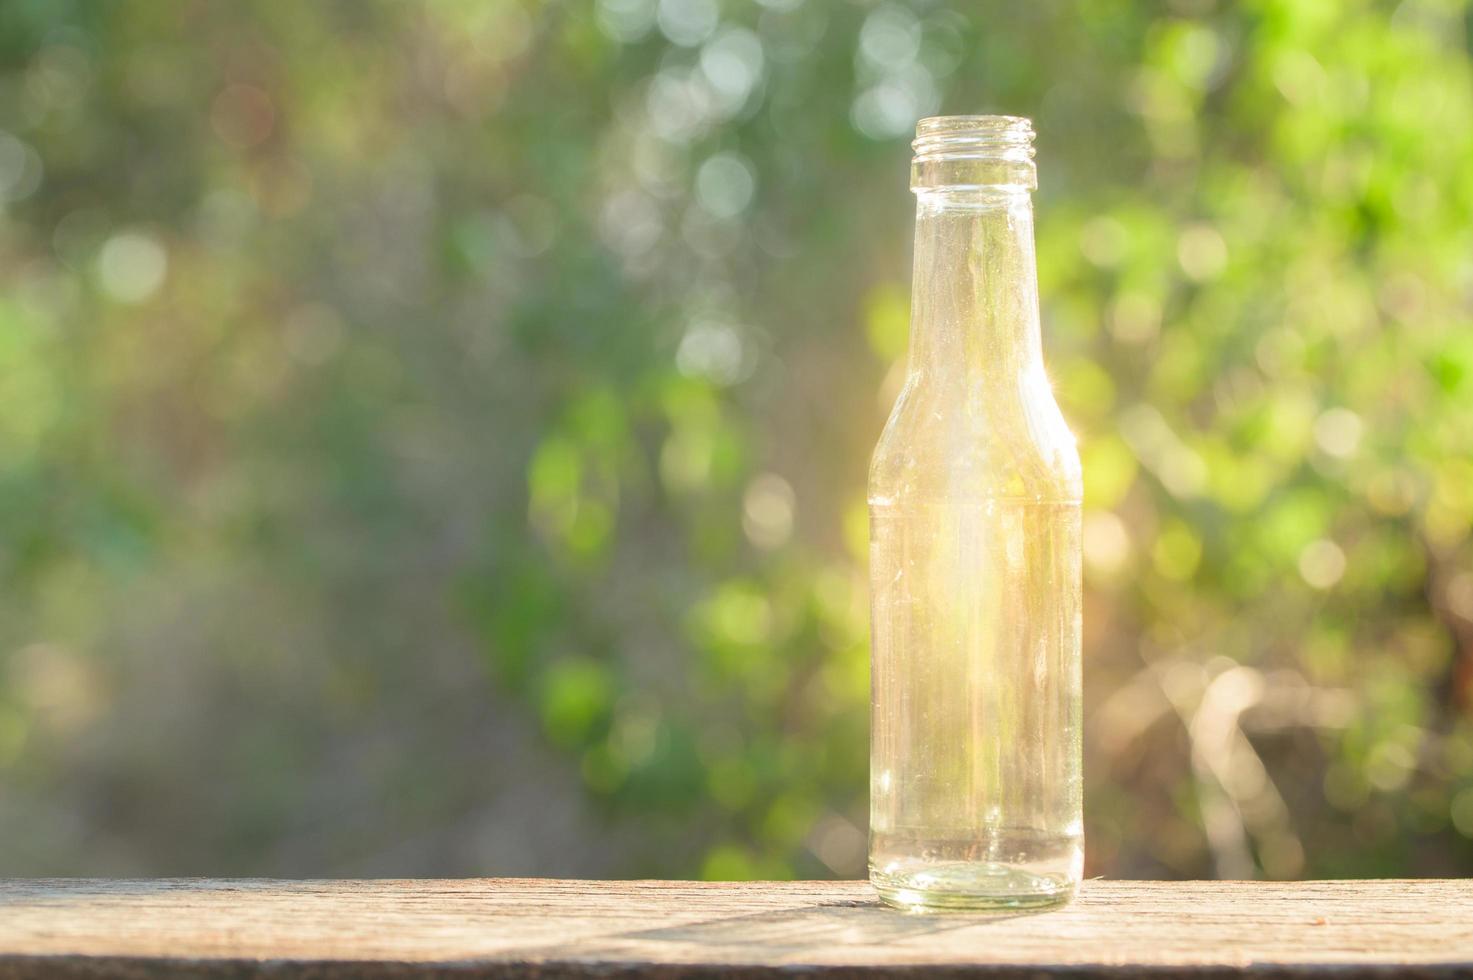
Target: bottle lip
954,153
974,137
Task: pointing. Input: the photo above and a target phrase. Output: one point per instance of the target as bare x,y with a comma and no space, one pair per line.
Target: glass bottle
974,494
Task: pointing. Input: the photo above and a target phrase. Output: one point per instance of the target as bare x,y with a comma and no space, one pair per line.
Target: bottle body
975,785
975,579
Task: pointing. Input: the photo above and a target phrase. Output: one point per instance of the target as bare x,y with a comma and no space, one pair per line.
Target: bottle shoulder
1001,444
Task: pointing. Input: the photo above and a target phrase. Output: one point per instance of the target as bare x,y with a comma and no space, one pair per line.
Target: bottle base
971,886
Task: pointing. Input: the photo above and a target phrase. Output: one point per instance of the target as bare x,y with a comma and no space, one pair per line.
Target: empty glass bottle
974,493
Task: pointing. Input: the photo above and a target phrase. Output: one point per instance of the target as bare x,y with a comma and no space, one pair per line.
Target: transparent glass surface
975,782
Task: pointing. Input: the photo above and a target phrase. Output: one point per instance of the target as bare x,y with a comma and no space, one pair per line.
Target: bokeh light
434,434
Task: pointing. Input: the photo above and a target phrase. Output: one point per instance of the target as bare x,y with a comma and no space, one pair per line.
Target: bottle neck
974,306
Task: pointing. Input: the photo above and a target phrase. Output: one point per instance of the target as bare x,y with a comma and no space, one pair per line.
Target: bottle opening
972,153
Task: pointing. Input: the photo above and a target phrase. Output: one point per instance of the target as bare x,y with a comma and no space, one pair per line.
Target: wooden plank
505,928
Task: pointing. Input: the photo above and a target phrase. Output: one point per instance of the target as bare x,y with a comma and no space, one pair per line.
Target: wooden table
546,928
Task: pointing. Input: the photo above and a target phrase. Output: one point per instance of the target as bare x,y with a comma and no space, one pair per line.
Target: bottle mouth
973,152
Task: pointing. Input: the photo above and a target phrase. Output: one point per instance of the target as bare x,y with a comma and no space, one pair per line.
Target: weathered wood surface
524,928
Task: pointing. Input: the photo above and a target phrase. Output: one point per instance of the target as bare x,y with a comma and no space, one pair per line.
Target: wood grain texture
505,928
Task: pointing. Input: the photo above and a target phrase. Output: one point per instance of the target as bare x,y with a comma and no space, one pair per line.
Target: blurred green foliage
434,434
